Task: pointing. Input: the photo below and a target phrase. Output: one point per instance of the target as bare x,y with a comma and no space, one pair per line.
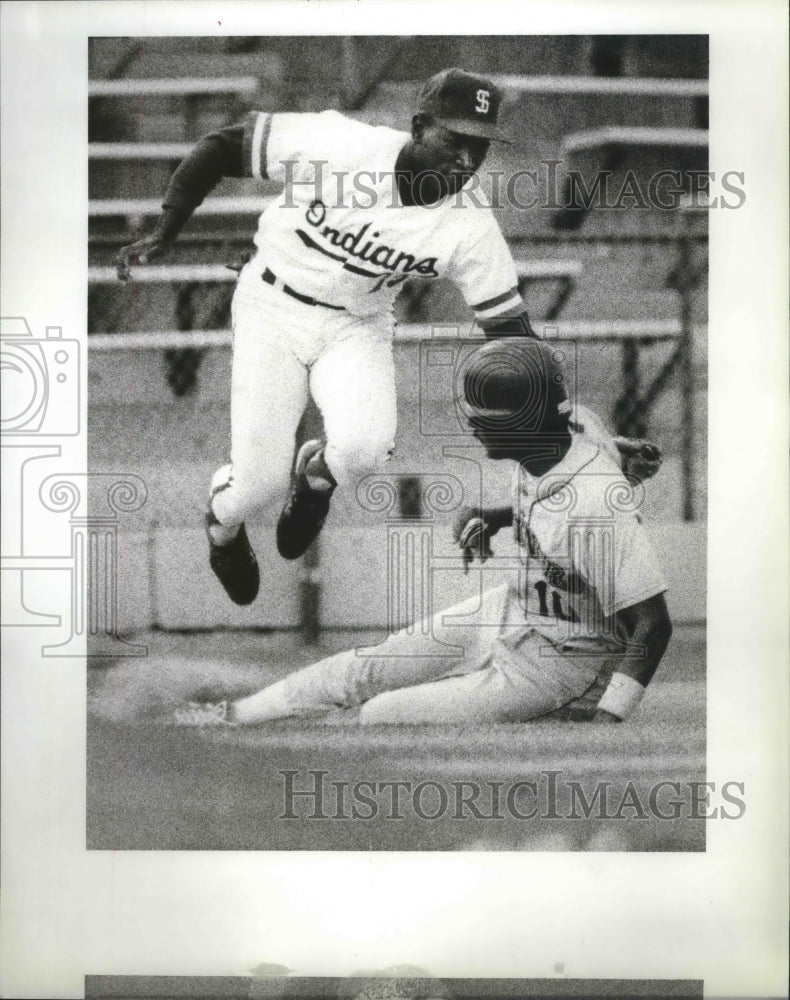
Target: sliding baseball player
581,628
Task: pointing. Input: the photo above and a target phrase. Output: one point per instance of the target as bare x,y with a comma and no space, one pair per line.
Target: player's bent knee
245,496
353,459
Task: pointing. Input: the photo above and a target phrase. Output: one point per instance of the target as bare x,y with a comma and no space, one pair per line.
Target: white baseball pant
503,671
284,349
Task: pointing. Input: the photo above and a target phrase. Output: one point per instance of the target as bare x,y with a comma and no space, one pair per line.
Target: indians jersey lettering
339,233
585,554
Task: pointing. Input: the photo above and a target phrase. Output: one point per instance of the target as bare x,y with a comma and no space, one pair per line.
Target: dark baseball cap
463,103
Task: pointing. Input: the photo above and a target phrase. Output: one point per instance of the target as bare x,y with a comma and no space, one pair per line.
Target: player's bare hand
473,535
143,251
464,516
601,715
489,515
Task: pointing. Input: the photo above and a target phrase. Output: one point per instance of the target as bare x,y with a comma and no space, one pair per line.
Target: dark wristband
513,326
498,517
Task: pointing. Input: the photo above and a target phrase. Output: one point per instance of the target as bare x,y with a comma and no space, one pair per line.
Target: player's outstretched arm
217,155
648,629
638,459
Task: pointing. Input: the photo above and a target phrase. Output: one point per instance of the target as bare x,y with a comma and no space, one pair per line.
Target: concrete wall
166,581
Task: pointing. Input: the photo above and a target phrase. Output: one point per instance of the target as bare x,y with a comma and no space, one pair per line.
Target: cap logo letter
482,101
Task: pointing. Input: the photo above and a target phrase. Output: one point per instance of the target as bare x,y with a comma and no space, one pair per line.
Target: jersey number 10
557,610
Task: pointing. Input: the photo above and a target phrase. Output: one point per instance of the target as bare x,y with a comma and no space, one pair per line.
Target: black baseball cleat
234,564
305,511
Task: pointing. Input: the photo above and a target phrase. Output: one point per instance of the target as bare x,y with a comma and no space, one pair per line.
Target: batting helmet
517,384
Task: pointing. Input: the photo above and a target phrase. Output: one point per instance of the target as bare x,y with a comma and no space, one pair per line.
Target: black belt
308,300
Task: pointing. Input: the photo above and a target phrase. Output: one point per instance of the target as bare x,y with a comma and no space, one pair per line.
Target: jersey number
483,97
388,280
556,603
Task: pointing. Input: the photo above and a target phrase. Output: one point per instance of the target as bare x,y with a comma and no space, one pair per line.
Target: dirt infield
308,785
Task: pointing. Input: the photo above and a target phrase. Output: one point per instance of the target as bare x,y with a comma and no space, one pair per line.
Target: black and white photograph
400,344
394,498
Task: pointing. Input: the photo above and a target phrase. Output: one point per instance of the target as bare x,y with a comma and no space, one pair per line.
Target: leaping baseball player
580,629
362,209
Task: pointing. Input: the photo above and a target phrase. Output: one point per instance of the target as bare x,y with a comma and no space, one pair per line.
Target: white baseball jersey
594,430
586,556
339,232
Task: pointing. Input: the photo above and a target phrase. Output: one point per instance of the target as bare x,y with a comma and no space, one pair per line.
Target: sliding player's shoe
199,714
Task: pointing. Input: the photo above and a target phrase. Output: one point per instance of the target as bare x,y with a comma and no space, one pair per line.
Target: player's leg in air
497,670
283,351
269,391
353,384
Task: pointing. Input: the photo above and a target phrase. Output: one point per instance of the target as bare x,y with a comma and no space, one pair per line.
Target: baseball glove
641,459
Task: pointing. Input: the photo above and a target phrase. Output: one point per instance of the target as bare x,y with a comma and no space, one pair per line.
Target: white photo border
721,915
